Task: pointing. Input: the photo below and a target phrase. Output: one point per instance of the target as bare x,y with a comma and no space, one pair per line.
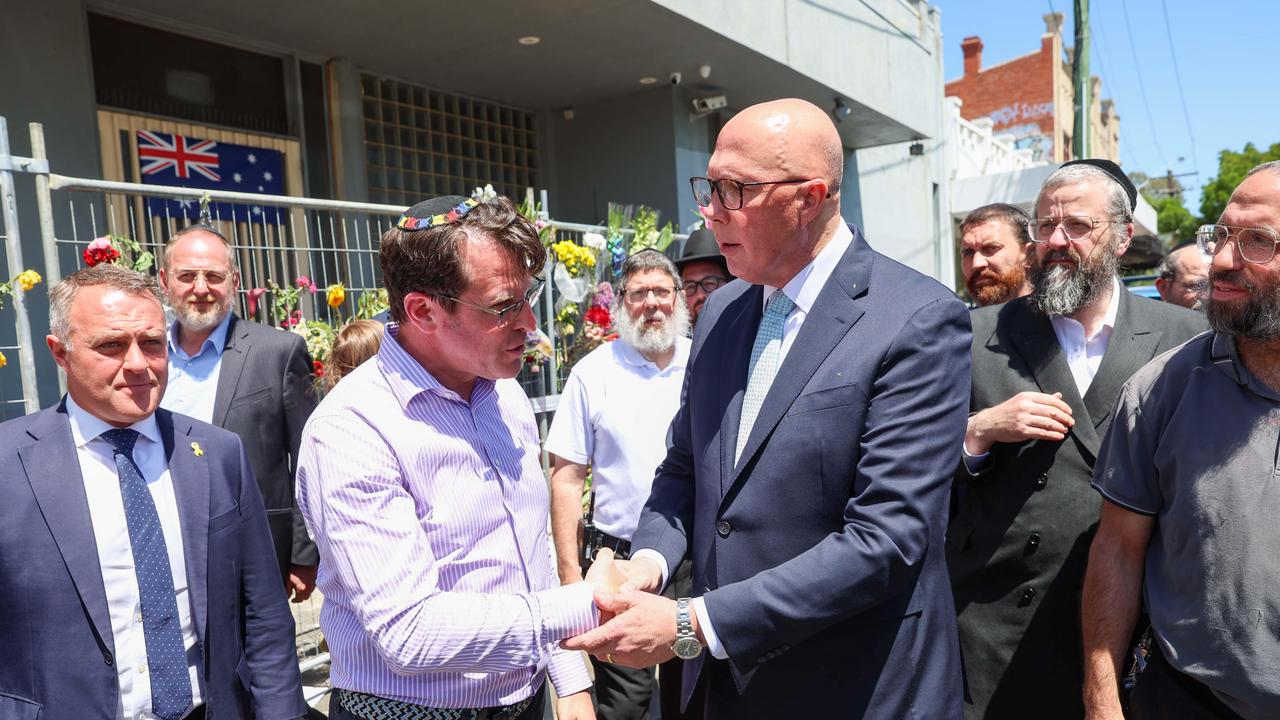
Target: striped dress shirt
430,513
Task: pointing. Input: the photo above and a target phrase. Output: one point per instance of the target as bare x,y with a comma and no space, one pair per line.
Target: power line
1178,77
1142,88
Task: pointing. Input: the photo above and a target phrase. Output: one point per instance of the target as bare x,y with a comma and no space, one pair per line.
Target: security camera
674,78
710,104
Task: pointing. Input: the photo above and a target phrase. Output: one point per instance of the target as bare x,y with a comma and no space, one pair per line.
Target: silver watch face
687,648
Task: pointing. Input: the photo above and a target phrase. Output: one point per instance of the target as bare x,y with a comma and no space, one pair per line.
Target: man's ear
1126,237
813,194
423,312
58,349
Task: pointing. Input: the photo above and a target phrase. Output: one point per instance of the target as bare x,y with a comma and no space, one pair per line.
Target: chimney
1053,23
972,49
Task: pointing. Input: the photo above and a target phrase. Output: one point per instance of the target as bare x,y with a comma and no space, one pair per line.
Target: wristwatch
686,646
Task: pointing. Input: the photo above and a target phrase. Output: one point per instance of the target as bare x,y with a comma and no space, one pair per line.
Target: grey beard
649,342
1258,319
199,322
1060,293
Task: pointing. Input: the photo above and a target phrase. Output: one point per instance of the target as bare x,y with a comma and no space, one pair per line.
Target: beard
1258,318
1061,291
199,321
1002,287
651,341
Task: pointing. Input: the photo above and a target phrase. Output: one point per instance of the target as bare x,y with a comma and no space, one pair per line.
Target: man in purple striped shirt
420,478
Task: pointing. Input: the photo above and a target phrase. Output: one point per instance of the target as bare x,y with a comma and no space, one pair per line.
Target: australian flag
206,164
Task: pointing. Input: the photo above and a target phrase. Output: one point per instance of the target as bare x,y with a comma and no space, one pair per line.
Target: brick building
1031,98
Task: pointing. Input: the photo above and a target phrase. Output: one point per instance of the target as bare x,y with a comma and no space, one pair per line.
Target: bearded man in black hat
1047,369
702,270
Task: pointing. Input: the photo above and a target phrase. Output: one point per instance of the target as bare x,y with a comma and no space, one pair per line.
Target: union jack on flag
166,159
177,153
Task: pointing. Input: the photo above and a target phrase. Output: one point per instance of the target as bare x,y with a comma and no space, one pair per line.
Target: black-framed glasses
663,293
1075,227
709,284
506,314
1255,245
730,191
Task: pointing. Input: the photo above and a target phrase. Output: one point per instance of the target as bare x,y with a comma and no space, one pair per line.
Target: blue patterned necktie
161,626
764,364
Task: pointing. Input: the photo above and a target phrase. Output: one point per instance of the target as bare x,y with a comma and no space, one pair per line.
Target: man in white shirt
136,574
1047,369
612,420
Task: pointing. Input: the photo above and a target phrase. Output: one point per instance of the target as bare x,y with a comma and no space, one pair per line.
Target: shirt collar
86,427
407,378
217,339
1061,322
1226,357
803,289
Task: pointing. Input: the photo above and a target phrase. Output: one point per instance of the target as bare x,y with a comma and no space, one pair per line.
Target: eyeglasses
639,295
1255,245
211,277
730,191
510,312
1075,227
709,284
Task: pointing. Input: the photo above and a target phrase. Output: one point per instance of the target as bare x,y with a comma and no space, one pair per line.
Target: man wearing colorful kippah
420,476
1047,369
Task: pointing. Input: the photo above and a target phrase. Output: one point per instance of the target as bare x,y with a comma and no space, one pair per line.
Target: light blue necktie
764,364
161,626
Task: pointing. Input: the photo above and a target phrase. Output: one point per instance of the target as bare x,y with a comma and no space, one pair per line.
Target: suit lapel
189,473
743,321
1033,336
233,358
834,311
53,469
1131,346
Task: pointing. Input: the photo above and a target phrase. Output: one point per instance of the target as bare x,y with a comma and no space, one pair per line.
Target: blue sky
1228,52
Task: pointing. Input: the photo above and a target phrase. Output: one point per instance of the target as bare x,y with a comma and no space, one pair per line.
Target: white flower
594,241
484,194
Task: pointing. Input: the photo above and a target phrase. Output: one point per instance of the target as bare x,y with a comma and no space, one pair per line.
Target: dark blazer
265,395
819,555
55,628
1020,537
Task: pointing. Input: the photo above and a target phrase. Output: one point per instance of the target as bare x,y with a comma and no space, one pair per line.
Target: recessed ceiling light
529,40
648,80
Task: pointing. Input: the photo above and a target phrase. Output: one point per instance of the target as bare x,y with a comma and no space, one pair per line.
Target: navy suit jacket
58,657
820,555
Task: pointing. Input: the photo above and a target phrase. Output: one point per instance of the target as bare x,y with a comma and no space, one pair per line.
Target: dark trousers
1163,693
622,693
671,672
533,712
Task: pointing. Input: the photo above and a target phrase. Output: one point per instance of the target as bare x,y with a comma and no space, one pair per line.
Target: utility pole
1080,79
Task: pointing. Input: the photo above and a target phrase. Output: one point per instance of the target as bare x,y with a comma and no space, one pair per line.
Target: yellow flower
3,360
336,295
27,279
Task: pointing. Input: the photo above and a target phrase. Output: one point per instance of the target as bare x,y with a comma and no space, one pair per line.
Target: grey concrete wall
47,78
614,151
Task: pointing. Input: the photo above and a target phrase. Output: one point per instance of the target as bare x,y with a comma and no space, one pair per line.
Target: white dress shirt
803,290
613,415
115,552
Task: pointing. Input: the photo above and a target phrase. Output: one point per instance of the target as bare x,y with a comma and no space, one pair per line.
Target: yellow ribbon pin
195,448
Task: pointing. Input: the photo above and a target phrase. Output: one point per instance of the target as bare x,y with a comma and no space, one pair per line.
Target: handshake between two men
638,627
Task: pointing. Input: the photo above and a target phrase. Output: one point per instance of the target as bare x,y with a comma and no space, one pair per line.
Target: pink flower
254,294
294,318
604,295
305,283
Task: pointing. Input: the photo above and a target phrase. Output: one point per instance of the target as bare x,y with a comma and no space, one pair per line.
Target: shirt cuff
567,672
566,611
973,464
658,558
708,632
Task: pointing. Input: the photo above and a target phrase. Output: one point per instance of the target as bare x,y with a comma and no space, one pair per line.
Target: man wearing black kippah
1047,369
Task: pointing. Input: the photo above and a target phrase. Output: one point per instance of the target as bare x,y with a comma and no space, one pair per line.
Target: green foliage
1232,167
1172,216
371,303
647,234
132,254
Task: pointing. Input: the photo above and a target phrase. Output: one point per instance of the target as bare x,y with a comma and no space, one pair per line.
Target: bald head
792,138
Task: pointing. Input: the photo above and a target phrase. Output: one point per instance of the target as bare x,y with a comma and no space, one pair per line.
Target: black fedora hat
701,245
